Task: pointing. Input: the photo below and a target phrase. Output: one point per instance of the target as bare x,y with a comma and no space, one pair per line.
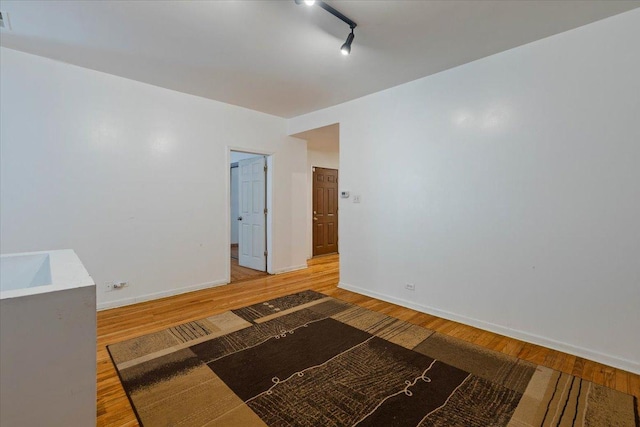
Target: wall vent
4,20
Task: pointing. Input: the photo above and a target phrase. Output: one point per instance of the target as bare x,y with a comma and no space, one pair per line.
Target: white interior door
252,219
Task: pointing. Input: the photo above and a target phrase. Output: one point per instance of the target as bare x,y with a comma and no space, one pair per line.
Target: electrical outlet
120,285
410,287
112,286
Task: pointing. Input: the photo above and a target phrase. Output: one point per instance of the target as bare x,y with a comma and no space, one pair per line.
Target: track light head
346,47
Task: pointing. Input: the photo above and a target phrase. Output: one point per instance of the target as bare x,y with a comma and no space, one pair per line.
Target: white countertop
67,272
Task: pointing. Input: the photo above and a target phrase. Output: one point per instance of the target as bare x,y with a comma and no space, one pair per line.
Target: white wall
518,209
135,178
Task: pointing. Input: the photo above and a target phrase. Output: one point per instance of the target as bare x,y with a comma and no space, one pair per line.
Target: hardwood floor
234,251
239,273
322,275
242,274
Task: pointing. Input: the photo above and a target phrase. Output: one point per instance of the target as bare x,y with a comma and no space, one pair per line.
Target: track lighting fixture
346,47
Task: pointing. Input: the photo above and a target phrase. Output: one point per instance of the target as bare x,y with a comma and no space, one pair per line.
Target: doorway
323,151
325,211
248,207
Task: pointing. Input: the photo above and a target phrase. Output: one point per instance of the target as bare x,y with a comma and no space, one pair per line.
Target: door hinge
265,167
266,211
313,169
266,253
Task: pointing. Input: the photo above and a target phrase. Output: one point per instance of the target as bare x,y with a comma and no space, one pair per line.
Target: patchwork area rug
311,360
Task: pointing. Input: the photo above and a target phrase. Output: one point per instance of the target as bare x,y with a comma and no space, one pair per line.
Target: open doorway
323,155
249,199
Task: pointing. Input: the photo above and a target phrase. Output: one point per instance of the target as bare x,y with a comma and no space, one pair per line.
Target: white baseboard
607,359
293,268
156,295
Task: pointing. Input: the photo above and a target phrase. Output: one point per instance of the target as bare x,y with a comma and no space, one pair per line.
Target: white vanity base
47,340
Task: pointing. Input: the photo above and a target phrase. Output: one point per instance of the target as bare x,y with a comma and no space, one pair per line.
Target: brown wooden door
325,211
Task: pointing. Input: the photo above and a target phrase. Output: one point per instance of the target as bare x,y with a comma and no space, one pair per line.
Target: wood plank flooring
234,251
119,324
239,273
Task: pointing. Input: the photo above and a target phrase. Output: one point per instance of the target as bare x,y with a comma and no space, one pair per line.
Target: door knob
239,218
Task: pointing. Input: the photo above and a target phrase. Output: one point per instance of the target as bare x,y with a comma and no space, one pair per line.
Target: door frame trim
271,160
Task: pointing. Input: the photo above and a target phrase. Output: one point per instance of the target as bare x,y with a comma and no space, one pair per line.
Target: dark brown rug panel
236,341
345,389
423,397
252,371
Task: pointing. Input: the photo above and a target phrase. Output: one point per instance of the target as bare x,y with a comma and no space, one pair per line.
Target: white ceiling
278,57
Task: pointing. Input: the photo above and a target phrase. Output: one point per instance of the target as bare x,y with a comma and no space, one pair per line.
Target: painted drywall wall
135,178
517,210
323,159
